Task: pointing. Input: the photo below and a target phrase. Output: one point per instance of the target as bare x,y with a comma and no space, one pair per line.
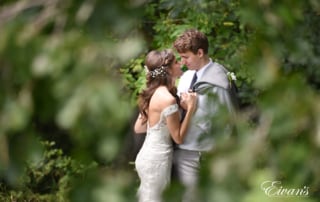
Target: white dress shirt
186,78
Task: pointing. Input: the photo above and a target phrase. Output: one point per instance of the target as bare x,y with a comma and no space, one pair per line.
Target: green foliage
134,77
70,72
47,178
60,81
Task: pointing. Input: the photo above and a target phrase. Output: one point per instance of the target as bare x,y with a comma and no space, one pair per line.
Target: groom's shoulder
216,75
216,70
217,67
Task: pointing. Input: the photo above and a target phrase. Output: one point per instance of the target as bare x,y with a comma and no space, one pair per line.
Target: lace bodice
166,112
154,160
158,136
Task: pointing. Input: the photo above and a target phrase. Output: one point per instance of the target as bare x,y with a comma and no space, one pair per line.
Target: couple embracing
177,120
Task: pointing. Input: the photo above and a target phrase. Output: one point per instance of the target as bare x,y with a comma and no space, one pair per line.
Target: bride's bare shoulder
163,96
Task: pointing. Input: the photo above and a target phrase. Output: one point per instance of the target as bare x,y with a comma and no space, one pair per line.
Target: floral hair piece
159,71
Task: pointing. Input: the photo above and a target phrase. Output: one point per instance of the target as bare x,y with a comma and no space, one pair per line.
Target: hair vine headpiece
157,72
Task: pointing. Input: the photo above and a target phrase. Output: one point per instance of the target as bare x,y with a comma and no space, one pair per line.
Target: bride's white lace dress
154,160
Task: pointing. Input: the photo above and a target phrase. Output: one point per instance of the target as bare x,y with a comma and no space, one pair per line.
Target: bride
160,118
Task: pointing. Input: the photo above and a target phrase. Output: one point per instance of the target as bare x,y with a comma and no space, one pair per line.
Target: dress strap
170,109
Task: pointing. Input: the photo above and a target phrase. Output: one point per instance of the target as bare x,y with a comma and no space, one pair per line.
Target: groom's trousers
186,165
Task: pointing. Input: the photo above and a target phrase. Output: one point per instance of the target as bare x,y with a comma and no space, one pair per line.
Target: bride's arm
178,130
140,125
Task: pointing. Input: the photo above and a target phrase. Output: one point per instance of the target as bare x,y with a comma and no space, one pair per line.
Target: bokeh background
70,72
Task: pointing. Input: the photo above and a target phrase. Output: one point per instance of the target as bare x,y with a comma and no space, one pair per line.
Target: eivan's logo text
275,189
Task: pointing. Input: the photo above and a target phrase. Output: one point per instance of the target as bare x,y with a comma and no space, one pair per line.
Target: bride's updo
157,63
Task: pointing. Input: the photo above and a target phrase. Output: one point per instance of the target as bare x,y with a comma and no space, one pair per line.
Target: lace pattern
166,112
154,160
170,110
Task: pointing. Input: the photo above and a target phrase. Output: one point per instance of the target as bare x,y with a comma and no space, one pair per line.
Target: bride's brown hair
157,63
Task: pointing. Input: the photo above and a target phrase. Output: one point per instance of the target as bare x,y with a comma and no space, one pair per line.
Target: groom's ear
200,52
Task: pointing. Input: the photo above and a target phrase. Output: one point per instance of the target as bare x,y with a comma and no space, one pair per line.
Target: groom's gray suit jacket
214,92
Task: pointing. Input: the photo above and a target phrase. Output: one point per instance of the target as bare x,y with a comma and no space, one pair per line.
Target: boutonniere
231,77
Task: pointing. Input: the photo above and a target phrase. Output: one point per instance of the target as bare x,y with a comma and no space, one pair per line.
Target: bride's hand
183,98
190,100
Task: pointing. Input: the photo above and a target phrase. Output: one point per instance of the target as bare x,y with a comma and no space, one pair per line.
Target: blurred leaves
59,76
70,72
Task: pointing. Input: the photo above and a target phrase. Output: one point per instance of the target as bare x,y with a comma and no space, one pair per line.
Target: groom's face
191,60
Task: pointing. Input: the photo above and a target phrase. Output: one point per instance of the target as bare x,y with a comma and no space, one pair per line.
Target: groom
209,79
